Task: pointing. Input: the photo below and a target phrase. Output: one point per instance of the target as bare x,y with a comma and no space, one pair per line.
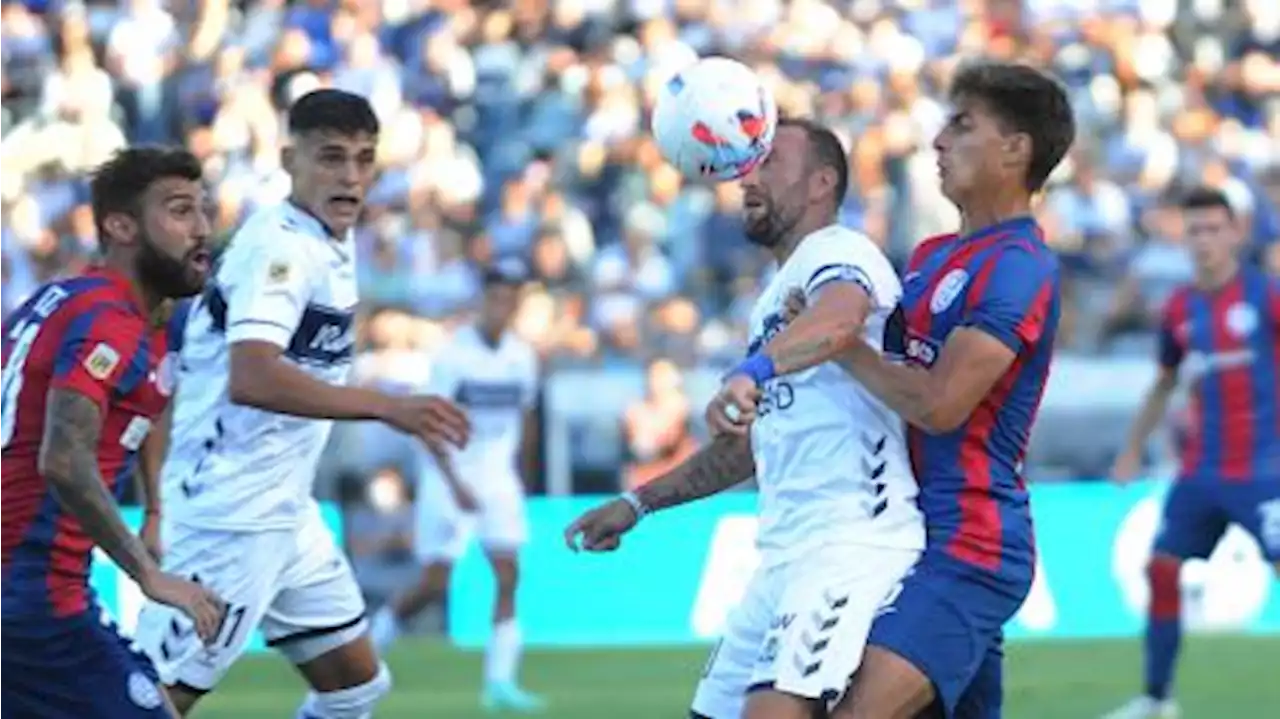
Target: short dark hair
1204,198
1025,100
332,110
825,150
117,185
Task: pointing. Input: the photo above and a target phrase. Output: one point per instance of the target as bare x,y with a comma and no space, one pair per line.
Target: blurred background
518,129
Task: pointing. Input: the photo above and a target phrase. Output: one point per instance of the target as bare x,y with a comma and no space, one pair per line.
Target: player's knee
354,702
1162,575
507,575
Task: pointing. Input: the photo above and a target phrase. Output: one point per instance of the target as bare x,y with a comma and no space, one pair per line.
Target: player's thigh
984,697
1191,521
1255,505
821,624
242,568
317,618
442,530
81,669
725,681
940,623
502,526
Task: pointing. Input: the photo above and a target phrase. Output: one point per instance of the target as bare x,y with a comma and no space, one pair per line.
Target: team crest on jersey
143,691
102,361
278,272
1242,319
952,284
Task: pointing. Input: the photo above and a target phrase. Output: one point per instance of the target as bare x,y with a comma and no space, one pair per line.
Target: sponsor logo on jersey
101,361
948,290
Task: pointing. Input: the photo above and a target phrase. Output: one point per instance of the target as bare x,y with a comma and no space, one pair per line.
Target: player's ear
823,183
1018,149
287,158
121,227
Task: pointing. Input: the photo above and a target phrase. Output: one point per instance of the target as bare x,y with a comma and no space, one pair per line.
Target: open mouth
753,203
345,203
202,261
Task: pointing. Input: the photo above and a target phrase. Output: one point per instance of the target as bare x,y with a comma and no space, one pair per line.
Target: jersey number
23,336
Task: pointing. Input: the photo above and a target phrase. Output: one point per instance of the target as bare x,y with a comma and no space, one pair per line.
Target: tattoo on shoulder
716,467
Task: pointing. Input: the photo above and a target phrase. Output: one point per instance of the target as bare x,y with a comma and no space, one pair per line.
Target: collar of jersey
117,279
310,216
1012,225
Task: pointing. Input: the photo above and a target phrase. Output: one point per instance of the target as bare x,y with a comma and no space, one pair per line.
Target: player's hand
733,408
431,419
205,609
1126,467
602,528
793,305
150,534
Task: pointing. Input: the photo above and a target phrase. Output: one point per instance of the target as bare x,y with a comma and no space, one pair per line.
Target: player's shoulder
927,247
1176,304
837,241
277,228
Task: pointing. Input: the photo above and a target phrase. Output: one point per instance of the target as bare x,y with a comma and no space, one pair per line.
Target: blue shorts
74,668
1197,513
948,621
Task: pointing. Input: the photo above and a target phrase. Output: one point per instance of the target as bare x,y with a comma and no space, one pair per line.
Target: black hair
509,272
1024,100
332,110
825,150
118,185
1204,198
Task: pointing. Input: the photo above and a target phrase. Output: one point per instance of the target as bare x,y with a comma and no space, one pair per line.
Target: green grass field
1220,678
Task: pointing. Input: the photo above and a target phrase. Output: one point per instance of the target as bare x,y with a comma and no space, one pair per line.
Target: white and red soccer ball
715,119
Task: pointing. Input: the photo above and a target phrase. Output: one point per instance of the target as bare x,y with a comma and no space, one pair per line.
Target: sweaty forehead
174,188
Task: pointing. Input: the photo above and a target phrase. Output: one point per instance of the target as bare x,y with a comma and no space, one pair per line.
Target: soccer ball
715,119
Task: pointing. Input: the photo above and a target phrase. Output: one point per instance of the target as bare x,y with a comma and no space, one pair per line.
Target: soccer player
266,355
88,369
493,375
839,524
982,310
1221,334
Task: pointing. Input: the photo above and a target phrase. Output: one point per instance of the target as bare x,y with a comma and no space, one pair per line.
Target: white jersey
284,280
831,459
495,386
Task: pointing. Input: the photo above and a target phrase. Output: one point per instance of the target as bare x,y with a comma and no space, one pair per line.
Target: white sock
503,655
385,628
355,702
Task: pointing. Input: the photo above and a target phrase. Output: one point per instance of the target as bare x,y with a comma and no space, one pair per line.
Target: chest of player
935,298
1225,334
142,395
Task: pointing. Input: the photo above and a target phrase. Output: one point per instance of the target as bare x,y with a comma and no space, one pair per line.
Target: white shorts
444,530
801,628
295,584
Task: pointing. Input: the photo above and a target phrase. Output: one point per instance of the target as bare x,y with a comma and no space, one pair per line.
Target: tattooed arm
69,463
828,328
714,468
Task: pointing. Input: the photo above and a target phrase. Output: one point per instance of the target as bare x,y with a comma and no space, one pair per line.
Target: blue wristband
759,367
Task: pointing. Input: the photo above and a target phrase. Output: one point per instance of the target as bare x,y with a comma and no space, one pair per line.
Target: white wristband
636,505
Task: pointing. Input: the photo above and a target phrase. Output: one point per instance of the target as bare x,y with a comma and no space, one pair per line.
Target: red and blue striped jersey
1226,344
87,334
1004,281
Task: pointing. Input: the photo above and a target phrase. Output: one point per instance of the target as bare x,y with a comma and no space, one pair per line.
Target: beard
766,226
168,276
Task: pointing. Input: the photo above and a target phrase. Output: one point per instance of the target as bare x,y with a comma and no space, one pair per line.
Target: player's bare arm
262,378
832,325
69,462
444,462
1154,407
150,460
722,464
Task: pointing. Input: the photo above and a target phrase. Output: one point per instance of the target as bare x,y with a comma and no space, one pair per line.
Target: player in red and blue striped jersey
88,368
1221,335
981,311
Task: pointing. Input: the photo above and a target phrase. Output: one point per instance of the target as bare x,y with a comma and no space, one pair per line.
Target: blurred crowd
517,128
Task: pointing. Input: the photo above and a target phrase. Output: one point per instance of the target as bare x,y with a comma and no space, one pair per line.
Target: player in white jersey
839,525
266,354
493,375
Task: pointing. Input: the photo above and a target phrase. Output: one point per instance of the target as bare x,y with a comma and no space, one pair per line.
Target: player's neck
490,336
807,226
1216,278
993,210
301,206
148,300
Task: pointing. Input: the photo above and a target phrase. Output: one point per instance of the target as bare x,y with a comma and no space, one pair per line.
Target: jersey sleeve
1170,348
267,288
99,355
1011,297
845,256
